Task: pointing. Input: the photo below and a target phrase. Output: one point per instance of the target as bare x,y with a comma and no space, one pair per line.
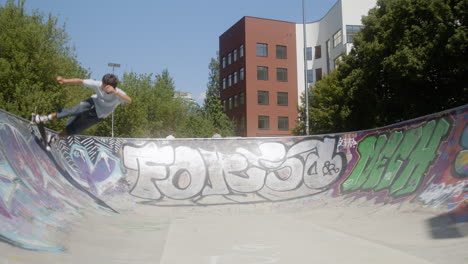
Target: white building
328,38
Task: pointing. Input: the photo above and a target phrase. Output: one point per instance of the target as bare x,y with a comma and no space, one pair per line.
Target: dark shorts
84,117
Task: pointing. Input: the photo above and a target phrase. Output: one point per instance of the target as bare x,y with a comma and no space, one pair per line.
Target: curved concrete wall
421,161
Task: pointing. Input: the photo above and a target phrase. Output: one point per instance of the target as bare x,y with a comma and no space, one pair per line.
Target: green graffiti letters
396,162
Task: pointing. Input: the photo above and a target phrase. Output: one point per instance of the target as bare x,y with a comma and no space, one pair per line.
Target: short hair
110,79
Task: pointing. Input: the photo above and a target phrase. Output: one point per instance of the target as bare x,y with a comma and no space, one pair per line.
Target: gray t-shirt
105,103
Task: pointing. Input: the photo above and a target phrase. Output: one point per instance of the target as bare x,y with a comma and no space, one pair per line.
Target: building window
283,123
338,60
309,53
263,122
229,58
242,98
281,52
242,123
230,103
282,74
318,52
263,97
224,62
351,31
224,83
262,50
242,74
235,77
262,73
310,76
337,38
235,100
225,104
241,51
229,80
318,74
235,55
282,99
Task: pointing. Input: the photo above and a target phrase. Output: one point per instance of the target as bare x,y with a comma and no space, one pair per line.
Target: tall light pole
305,69
113,65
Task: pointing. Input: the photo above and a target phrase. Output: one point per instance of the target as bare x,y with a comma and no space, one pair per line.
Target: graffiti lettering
397,163
184,173
440,193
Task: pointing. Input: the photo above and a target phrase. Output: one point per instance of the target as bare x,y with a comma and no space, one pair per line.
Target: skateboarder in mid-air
92,110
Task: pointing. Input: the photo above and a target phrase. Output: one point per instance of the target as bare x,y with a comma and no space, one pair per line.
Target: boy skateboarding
92,110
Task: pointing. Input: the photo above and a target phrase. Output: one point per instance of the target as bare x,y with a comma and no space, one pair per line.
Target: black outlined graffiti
270,170
397,162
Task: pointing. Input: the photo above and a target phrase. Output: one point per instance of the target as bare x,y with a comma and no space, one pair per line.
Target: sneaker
51,139
41,119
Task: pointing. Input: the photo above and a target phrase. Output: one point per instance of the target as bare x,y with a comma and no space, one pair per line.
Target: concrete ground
300,231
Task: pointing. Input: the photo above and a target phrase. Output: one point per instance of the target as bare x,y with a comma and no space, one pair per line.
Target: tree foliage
212,108
409,60
33,51
154,111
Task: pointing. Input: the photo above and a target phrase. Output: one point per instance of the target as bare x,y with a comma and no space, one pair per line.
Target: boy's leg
81,122
84,106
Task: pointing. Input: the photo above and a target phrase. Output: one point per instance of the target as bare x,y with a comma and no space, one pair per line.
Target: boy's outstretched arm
61,80
122,96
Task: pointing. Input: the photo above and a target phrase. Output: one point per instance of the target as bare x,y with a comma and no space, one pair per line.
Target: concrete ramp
397,194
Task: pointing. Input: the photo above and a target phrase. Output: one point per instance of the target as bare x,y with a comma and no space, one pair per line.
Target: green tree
212,108
148,114
34,50
409,60
327,108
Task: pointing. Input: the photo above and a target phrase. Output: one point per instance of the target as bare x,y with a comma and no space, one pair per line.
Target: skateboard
42,137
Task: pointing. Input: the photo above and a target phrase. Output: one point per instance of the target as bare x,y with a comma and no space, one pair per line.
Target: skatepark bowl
396,194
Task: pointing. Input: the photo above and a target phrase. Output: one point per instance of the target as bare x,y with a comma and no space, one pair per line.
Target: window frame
338,37
310,75
309,56
266,119
265,95
278,98
318,74
259,72
280,51
318,52
262,47
279,74
282,118
242,98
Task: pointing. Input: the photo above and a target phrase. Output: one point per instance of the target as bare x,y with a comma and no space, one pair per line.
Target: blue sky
148,36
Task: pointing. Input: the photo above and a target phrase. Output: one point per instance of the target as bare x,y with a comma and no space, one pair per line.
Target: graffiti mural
422,161
269,169
396,161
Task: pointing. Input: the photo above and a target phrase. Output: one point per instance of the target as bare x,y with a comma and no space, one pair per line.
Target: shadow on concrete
453,224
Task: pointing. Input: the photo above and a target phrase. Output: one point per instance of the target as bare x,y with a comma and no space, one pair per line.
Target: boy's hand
109,89
60,80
